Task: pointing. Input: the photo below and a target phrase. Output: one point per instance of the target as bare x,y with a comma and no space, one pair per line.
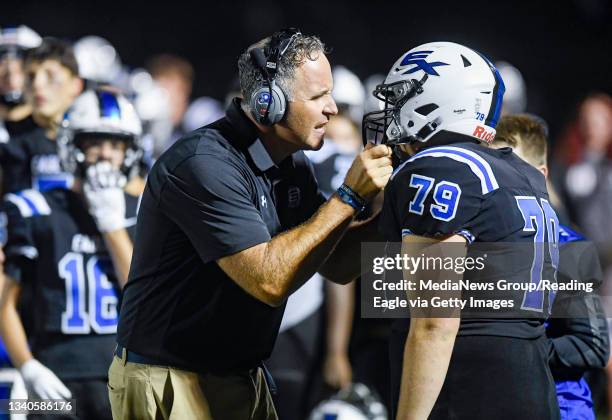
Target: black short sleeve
432,196
212,202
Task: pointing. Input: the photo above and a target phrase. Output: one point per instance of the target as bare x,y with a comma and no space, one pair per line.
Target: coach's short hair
54,49
526,133
303,47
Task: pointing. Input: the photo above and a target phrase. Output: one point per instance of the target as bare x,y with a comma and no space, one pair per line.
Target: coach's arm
271,271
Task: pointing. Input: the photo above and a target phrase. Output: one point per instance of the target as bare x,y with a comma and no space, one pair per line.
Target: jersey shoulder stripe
476,163
30,203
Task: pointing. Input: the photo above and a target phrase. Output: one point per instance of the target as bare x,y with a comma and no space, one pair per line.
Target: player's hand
337,371
103,189
42,382
370,171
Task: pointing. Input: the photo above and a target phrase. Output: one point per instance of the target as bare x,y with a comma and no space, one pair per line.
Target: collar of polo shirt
247,133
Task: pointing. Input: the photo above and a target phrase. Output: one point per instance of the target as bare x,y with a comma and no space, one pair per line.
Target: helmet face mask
11,61
14,43
393,96
435,87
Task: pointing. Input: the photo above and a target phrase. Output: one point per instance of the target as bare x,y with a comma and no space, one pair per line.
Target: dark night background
563,48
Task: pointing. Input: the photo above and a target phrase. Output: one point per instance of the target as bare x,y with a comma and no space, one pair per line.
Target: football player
70,250
443,101
15,112
52,83
579,335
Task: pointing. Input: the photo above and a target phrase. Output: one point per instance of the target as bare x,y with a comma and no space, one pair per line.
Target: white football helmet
348,92
100,113
434,87
19,37
357,402
98,60
14,42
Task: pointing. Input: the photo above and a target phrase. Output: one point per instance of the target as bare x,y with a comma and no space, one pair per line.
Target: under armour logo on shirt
264,202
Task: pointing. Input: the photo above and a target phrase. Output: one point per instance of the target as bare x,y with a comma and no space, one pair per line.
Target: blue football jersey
57,255
487,196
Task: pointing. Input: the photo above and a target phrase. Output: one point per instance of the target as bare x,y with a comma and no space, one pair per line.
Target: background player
444,99
579,339
15,112
70,250
52,84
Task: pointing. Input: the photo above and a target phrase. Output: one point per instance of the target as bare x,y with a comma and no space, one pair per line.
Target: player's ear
544,170
77,86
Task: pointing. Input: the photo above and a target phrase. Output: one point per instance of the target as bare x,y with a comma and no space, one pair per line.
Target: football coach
230,224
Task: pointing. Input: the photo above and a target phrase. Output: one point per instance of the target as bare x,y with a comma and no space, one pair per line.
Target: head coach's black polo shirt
213,193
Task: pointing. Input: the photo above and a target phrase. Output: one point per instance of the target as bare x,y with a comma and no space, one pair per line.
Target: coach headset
268,102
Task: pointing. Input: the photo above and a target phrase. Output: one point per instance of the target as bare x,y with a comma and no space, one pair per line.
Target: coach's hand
370,171
43,382
103,188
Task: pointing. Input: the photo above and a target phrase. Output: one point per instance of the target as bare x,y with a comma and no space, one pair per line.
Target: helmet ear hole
426,109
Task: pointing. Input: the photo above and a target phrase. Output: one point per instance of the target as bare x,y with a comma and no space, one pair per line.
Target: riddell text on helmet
483,134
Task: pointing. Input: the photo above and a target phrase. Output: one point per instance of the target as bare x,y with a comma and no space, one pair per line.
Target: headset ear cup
279,105
258,104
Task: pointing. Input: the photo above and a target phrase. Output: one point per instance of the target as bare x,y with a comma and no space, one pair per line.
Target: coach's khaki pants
143,392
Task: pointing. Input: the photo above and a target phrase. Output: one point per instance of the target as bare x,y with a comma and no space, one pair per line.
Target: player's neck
49,124
77,186
446,138
18,112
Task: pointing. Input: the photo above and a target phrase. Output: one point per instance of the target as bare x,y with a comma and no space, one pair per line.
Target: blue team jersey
56,254
487,196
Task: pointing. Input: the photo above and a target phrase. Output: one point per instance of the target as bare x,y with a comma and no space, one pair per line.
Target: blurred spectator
176,75
586,150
